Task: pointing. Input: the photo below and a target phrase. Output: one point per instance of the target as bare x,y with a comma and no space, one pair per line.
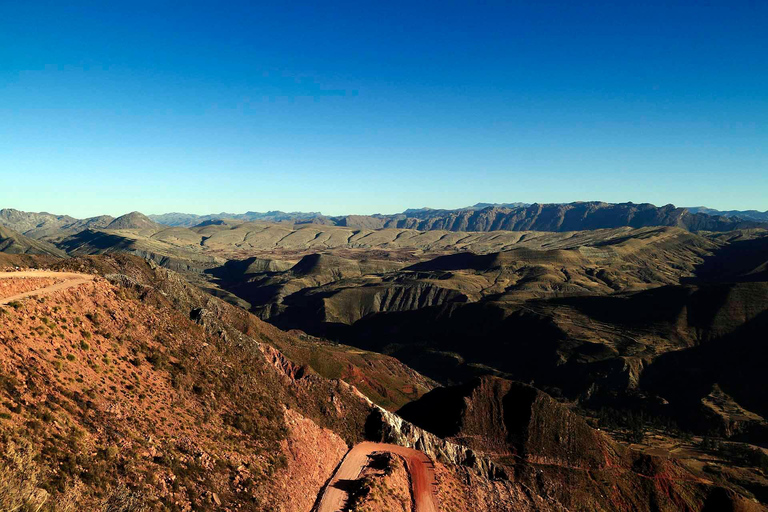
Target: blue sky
364,107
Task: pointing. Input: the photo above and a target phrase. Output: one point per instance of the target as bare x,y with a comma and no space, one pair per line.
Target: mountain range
510,216
587,356
480,217
742,214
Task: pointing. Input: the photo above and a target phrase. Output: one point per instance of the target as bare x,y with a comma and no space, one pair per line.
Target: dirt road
70,279
420,470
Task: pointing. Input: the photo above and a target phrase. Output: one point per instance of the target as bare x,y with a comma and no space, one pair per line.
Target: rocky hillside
46,226
329,292
510,420
634,321
12,242
687,353
212,245
133,220
642,328
139,391
556,454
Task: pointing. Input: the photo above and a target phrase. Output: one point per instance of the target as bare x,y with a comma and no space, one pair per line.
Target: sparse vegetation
633,425
160,409
80,407
739,453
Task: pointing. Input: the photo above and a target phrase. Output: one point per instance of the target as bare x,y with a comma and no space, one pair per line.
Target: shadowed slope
556,453
12,242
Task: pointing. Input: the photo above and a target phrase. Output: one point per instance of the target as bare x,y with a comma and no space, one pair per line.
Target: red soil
420,469
20,285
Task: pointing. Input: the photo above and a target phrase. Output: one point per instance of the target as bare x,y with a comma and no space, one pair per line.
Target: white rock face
395,430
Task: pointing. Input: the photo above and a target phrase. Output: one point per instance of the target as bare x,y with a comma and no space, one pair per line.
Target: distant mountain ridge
482,217
576,216
572,217
190,219
742,214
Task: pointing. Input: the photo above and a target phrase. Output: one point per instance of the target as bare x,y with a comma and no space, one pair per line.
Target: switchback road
419,466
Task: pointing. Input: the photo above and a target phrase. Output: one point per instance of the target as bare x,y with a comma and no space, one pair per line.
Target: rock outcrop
387,427
510,419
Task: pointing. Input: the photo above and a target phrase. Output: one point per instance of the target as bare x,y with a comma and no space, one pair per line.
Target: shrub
157,359
20,480
122,499
111,451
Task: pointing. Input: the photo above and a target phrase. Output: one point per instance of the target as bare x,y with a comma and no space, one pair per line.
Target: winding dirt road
420,470
70,279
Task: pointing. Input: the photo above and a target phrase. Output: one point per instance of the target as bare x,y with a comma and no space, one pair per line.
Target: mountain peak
133,220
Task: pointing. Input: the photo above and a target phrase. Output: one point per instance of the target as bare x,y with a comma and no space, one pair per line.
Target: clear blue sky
363,107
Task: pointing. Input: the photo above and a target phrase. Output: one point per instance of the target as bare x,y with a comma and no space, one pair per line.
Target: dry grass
22,485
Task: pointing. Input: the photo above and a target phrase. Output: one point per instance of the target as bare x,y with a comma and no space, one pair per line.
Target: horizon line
519,204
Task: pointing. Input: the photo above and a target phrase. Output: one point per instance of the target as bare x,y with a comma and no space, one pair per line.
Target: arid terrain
383,256
500,358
